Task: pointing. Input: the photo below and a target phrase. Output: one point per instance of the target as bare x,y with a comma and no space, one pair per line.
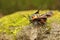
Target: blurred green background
10,6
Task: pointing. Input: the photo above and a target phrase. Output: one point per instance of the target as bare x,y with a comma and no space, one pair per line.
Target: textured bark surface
39,33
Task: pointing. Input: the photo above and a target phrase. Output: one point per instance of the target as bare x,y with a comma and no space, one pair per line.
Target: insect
38,19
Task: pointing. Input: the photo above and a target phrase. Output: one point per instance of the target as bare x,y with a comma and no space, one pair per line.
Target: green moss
11,24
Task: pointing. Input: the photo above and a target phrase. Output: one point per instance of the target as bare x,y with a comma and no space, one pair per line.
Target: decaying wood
31,33
36,32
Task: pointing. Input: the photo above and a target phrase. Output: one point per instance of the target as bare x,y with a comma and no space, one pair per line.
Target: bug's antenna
37,11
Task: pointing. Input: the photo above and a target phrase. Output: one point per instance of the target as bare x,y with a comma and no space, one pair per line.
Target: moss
18,20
